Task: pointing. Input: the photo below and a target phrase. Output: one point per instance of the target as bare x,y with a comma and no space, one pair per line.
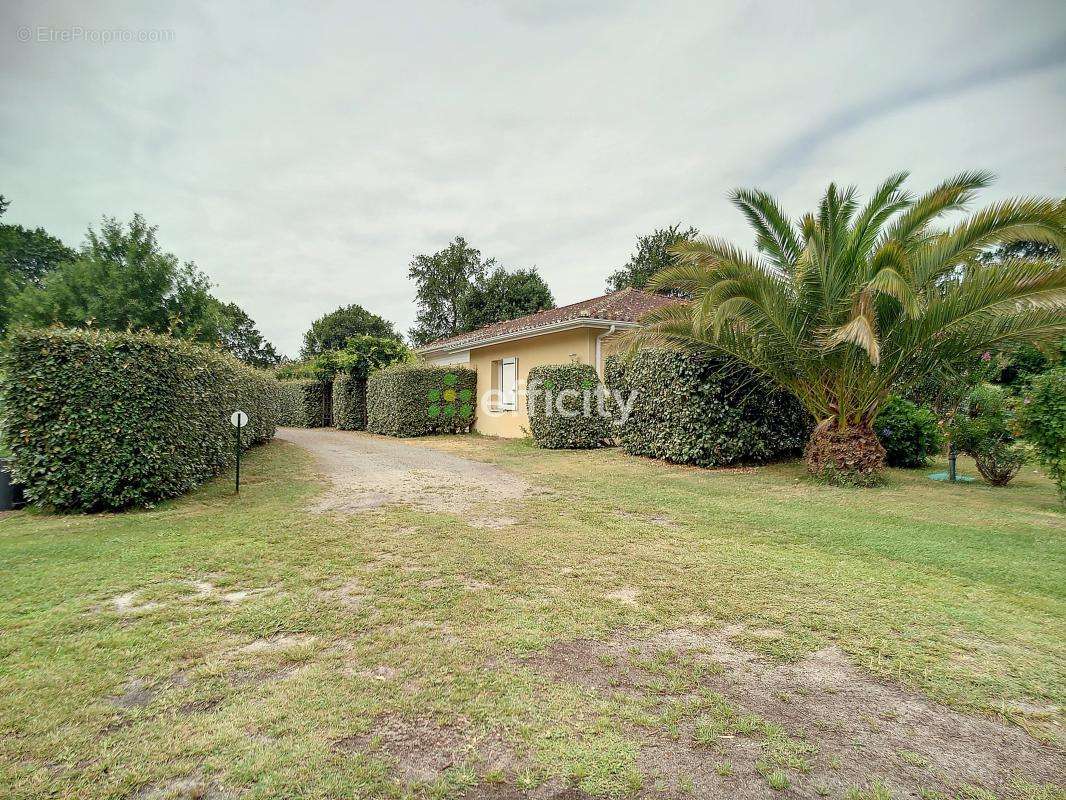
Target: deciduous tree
332,331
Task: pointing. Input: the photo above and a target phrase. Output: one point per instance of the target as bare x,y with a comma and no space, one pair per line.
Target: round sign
238,419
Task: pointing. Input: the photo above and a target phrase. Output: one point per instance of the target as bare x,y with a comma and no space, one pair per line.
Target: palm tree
847,304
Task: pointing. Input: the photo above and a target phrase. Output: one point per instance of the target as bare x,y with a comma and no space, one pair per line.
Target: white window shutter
509,384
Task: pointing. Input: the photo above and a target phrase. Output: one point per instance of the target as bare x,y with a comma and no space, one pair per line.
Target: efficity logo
449,402
585,399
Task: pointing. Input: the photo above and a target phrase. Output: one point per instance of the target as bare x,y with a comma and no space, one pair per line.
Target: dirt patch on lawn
127,604
549,791
817,725
422,749
367,472
191,787
135,694
278,642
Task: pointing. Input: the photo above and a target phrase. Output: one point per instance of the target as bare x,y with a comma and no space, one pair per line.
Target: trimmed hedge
418,400
909,433
564,401
99,420
349,403
291,414
707,411
307,404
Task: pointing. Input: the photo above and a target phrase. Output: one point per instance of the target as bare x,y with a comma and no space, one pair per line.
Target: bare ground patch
422,749
730,721
278,642
366,472
190,787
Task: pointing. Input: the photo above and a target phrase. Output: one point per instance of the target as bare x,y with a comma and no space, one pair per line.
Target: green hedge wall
705,411
349,403
556,391
100,420
292,414
418,400
307,403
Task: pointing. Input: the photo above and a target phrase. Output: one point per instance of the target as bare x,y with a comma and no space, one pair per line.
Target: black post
238,455
952,455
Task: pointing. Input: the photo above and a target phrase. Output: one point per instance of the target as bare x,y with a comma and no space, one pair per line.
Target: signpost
238,419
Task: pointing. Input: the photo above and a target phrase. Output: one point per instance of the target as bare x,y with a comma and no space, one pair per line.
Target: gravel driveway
368,471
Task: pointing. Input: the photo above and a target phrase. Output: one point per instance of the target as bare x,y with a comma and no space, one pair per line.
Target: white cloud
301,157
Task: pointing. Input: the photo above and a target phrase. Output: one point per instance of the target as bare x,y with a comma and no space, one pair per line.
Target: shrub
564,408
307,404
106,420
418,400
983,429
349,403
1042,415
909,433
360,356
705,411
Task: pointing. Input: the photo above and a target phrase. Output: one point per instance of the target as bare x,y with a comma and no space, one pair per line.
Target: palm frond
775,235
1001,223
952,195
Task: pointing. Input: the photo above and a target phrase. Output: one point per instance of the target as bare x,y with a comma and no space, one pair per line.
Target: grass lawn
242,646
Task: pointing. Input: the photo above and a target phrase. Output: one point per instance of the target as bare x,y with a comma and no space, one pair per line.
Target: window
509,384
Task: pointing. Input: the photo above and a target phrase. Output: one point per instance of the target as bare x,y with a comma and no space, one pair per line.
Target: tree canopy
123,280
26,256
458,291
442,282
333,330
360,356
503,295
653,254
239,336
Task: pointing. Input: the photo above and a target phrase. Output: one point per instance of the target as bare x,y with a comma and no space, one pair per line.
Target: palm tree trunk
850,456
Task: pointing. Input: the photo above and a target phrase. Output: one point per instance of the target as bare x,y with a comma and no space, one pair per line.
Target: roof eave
555,327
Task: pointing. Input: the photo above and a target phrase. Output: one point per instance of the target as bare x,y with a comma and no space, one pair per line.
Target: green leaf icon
450,379
434,395
433,411
465,411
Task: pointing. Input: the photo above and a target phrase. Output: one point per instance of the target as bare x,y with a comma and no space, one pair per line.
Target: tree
1018,365
26,256
239,337
360,356
442,282
653,254
850,301
122,280
503,295
332,331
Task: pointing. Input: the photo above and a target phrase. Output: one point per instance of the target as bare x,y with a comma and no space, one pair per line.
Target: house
503,353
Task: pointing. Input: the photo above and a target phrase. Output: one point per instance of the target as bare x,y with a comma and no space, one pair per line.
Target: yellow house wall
549,348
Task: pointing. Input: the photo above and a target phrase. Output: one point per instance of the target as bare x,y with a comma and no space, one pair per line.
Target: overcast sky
300,157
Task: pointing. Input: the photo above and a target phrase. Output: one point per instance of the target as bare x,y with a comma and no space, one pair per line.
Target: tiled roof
627,305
